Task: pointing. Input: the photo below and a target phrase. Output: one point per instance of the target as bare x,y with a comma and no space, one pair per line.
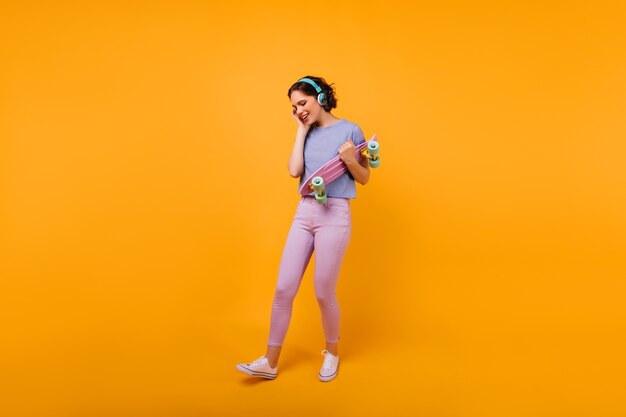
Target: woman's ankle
272,355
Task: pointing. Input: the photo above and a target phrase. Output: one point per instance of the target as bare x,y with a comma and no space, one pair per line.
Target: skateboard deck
333,169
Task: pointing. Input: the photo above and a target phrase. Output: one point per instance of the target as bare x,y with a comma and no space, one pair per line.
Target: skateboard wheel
375,163
318,184
373,147
321,198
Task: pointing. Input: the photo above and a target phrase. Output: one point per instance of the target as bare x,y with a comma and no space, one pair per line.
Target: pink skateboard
334,168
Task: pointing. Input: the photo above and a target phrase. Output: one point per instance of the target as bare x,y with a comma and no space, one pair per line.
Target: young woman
324,228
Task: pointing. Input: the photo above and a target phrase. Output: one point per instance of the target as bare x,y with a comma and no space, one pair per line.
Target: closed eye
301,103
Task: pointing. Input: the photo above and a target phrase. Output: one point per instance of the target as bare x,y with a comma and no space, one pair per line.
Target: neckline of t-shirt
328,127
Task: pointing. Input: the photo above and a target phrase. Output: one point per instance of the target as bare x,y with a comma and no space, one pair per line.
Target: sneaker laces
328,360
258,363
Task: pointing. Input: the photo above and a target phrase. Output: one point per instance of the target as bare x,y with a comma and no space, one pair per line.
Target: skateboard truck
318,186
371,153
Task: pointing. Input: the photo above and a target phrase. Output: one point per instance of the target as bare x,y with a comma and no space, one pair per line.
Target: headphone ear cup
321,99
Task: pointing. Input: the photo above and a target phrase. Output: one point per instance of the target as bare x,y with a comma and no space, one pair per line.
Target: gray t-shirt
321,145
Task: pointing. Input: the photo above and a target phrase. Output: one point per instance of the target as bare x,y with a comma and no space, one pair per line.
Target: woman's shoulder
351,126
340,129
353,131
350,123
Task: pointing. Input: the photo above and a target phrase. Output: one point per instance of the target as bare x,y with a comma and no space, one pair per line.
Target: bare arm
360,170
296,160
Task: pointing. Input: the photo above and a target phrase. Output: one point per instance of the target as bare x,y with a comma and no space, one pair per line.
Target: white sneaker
329,367
259,367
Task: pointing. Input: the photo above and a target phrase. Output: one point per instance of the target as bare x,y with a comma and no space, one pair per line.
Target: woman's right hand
301,124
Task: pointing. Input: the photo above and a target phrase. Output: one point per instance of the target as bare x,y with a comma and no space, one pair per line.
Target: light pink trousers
324,229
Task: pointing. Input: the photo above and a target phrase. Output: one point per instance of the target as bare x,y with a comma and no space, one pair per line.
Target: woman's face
306,107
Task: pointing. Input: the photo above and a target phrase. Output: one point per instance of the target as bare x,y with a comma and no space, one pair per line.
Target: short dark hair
309,90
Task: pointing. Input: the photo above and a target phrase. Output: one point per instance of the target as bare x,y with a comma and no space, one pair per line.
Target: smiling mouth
303,118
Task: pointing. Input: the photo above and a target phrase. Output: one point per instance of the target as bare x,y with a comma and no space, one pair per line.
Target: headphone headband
321,96
311,82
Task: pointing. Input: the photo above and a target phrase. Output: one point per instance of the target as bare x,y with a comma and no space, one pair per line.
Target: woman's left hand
346,152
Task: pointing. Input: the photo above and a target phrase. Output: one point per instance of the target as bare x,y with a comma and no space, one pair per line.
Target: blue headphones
321,96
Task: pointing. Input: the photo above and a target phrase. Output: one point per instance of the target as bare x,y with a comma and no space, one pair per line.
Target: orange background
145,201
